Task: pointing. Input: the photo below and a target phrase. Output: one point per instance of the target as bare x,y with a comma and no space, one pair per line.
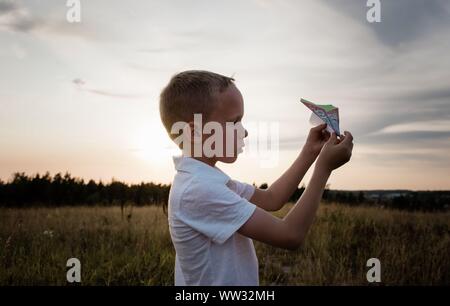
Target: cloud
433,155
81,86
402,21
413,139
431,94
407,159
17,18
7,6
422,126
114,94
78,82
155,50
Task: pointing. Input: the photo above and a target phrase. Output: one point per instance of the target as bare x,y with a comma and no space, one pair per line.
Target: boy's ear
195,130
192,128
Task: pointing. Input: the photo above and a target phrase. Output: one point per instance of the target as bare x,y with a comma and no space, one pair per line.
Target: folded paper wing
324,113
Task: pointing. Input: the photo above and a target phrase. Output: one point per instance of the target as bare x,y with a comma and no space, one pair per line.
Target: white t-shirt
206,208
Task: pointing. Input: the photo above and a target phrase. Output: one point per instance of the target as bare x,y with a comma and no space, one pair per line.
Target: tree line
64,190
405,200
23,190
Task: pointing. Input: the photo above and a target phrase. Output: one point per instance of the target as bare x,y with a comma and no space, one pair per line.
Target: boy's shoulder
189,186
197,181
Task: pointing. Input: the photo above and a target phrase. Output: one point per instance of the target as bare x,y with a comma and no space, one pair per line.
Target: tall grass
412,249
35,244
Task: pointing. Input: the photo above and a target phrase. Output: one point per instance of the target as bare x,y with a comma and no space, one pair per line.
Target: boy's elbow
273,208
294,246
293,243
273,203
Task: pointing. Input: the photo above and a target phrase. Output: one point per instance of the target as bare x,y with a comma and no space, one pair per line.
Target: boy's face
230,108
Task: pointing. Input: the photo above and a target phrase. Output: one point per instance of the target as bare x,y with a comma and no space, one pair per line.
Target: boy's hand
335,152
317,138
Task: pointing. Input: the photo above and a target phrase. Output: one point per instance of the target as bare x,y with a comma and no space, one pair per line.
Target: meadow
135,248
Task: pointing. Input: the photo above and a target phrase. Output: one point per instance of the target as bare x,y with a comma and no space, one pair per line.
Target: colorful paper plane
324,113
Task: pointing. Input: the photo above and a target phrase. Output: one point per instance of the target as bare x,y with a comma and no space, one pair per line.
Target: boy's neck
207,160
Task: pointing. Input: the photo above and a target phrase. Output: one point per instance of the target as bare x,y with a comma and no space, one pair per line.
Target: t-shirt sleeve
214,210
242,189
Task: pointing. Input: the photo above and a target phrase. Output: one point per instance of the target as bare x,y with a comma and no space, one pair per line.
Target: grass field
35,244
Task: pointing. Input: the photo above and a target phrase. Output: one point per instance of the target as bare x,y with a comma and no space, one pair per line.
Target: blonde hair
188,93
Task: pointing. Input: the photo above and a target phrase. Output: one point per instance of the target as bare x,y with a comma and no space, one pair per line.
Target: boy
212,218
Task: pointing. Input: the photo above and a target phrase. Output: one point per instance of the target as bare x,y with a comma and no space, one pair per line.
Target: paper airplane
324,113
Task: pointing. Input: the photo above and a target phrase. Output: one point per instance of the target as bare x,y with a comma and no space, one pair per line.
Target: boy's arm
274,197
290,231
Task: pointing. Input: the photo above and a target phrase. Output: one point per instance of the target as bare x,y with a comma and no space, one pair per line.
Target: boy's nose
246,133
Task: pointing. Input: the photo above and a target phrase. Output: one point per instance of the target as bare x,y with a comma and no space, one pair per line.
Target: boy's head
217,100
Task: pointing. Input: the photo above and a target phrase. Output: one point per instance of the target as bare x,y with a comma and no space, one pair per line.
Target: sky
83,97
